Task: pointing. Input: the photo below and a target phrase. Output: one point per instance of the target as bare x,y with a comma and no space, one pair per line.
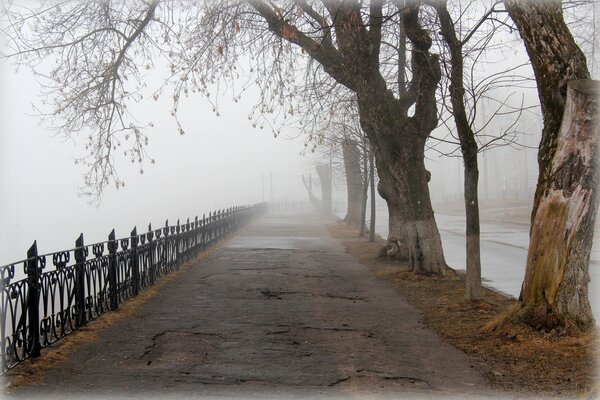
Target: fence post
166,248
196,230
188,239
135,265
177,244
235,214
112,271
80,256
152,266
203,231
209,228
230,219
33,300
220,224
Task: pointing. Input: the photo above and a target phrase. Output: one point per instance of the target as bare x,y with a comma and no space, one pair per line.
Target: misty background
220,162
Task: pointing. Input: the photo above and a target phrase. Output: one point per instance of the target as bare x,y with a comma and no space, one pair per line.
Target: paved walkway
280,311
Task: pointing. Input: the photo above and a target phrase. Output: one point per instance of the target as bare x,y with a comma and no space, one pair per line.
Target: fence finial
79,241
32,252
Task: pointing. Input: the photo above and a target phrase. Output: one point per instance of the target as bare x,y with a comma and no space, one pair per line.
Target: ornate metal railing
89,280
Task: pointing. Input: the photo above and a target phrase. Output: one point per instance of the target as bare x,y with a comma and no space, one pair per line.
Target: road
279,311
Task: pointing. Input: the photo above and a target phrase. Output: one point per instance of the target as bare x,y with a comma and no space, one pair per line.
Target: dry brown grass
519,358
32,370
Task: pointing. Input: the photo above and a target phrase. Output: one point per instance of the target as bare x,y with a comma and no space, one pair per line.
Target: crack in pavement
363,373
276,294
150,348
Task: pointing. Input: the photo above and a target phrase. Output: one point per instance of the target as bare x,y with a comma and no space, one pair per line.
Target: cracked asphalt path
279,311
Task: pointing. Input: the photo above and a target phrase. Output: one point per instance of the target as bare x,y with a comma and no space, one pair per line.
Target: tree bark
354,178
469,149
473,275
364,189
373,208
325,178
557,272
403,183
398,143
556,59
554,290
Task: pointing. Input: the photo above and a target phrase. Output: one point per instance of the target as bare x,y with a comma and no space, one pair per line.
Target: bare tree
466,41
312,199
102,49
354,180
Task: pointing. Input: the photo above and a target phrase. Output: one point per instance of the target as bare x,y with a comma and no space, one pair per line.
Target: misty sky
219,162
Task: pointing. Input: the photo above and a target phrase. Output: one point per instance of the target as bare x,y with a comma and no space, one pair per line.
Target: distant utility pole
271,176
263,187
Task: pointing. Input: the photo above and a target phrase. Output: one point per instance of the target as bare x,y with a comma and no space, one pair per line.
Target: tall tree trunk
398,144
469,150
403,183
556,59
373,208
566,201
557,274
312,199
325,178
473,275
364,190
354,180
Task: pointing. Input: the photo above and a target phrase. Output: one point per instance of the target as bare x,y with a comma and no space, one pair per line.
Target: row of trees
311,57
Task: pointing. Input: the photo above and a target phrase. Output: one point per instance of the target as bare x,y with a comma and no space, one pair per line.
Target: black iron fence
89,280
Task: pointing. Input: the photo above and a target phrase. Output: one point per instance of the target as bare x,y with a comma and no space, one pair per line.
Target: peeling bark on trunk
555,287
325,178
557,272
556,59
354,180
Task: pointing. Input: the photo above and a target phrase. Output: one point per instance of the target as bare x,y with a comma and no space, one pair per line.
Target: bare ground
521,360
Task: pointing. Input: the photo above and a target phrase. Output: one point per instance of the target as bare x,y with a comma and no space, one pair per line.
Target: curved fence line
90,280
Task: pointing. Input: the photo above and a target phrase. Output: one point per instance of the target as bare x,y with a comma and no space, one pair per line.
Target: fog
220,162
